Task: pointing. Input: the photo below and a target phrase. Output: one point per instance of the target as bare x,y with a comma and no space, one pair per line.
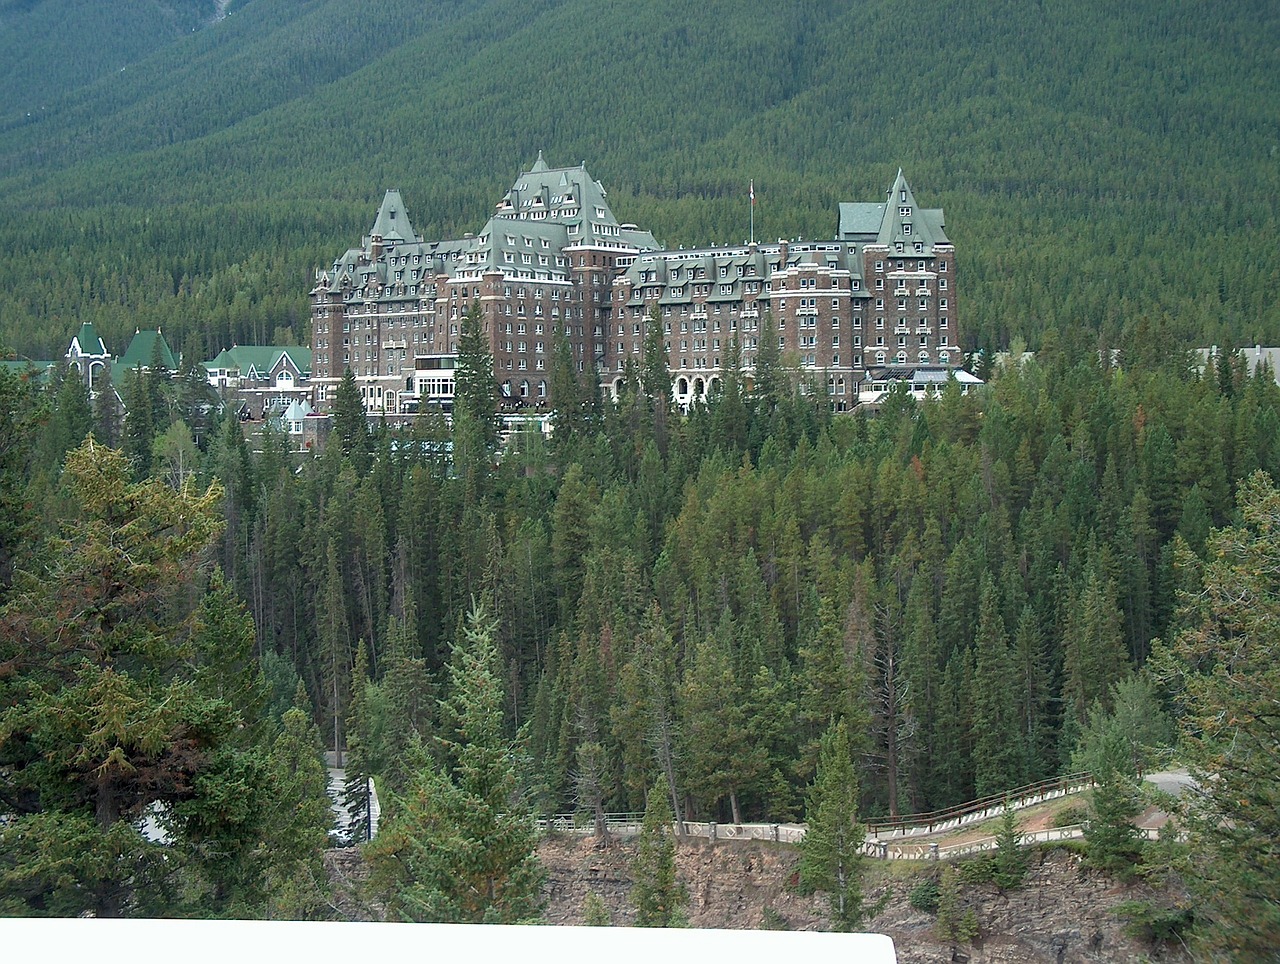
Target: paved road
1171,781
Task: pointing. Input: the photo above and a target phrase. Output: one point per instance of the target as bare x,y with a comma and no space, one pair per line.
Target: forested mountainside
1098,163
50,48
645,609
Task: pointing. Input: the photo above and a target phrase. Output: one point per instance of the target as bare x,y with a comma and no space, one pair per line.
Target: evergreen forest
1099,164
978,592
695,615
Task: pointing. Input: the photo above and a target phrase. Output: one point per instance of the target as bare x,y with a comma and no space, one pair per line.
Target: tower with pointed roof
879,295
88,356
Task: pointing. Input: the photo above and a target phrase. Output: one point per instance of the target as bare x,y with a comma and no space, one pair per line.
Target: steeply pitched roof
569,195
392,223
88,342
898,219
142,349
904,222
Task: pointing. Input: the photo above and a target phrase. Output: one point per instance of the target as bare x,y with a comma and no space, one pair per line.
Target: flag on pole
752,188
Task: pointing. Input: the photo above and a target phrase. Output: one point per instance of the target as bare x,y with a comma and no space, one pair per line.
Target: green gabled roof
926,226
141,349
261,358
392,223
89,341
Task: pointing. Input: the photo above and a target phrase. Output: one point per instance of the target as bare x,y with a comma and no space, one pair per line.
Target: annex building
878,297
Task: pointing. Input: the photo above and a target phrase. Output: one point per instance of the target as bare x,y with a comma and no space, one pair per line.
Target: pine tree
350,426
1224,663
360,765
1094,654
1111,840
658,896
17,435
475,418
998,749
139,423
102,716
299,818
830,852
1009,863
461,846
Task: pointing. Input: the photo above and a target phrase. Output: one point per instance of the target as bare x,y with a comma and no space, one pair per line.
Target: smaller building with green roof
258,381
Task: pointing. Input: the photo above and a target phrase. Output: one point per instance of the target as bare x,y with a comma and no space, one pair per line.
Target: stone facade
880,293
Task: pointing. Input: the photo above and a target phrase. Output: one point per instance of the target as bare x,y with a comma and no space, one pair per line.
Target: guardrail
884,837
975,811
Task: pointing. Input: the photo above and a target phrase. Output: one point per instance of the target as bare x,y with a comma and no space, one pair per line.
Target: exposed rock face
1063,913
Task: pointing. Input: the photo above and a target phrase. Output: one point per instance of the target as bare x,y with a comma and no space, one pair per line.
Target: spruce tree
830,852
475,414
1225,667
657,894
360,765
461,845
299,818
998,747
350,427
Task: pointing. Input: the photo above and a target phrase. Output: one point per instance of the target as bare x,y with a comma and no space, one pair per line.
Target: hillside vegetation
1098,164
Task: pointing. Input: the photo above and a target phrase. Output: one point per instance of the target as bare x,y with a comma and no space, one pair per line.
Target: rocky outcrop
1063,913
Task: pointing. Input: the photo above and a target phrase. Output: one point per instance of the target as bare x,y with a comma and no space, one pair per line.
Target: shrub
1154,923
924,895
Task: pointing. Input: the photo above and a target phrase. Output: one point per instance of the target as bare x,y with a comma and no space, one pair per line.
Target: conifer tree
461,846
108,415
998,747
475,419
299,818
139,423
349,423
830,852
17,434
360,763
101,716
1224,664
1094,654
657,894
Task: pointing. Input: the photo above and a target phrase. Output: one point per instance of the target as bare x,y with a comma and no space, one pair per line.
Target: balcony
750,312
901,291
901,330
924,330
924,292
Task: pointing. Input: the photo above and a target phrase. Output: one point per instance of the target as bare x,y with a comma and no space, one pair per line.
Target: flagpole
752,189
